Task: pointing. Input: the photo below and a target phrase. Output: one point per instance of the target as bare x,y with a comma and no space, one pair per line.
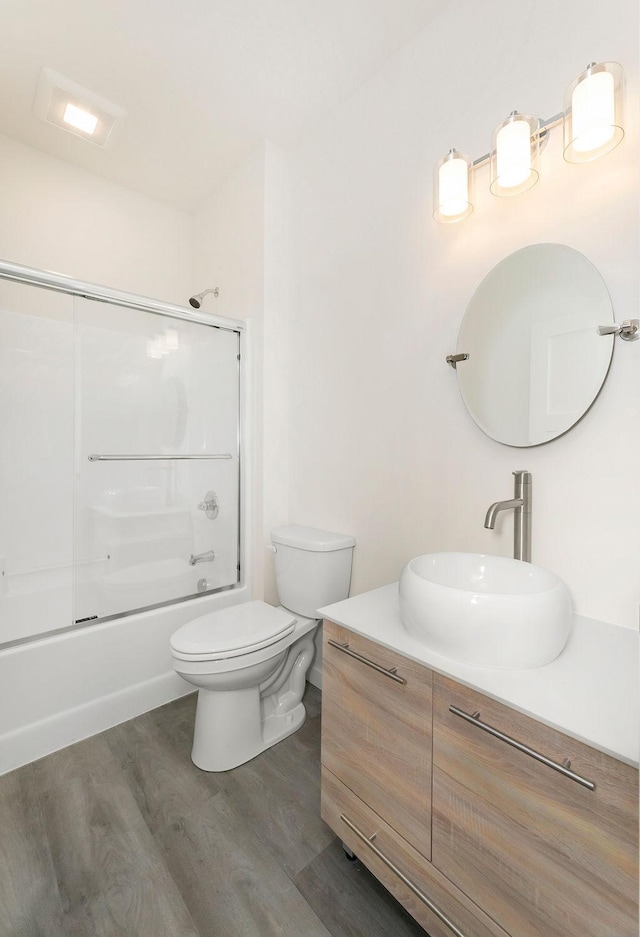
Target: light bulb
80,119
593,113
593,107
513,153
452,188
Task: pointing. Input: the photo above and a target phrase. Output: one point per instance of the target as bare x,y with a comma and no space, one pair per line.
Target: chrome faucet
207,557
520,504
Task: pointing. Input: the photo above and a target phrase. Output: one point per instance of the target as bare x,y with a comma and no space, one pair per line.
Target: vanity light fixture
592,120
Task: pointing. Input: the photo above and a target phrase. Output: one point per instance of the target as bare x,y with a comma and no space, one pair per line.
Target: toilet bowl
250,661
250,694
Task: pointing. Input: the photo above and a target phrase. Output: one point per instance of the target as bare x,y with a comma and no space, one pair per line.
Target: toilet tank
313,568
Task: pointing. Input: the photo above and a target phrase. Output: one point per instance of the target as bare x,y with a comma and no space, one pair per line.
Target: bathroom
322,241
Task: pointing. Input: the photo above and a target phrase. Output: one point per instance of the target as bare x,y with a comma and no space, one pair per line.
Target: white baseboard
37,739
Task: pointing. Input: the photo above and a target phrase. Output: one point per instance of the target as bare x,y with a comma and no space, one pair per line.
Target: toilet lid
233,631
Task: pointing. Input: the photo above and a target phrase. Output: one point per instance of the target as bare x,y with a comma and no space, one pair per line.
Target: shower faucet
520,504
207,557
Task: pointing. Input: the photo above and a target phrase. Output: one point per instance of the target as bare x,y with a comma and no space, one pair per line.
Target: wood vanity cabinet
376,730
376,777
537,849
513,843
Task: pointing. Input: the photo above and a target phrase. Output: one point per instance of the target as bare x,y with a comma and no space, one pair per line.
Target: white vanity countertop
590,692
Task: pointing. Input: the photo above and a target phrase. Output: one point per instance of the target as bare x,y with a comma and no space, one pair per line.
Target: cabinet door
376,730
539,852
428,896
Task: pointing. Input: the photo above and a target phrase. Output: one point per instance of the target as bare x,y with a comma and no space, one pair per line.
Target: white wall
381,445
60,218
228,252
276,392
242,245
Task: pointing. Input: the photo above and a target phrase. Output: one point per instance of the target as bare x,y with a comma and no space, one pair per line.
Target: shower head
196,301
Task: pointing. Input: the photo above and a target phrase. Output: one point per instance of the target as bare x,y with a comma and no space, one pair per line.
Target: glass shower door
157,459
36,461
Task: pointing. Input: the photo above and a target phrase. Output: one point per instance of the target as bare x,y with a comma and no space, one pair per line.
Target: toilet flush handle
272,547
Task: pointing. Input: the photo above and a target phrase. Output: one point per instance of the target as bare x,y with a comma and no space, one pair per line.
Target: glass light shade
515,148
452,188
593,113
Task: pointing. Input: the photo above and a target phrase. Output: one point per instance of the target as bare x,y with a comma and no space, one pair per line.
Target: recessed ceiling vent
62,102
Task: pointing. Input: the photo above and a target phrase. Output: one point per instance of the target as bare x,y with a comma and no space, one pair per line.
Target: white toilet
250,661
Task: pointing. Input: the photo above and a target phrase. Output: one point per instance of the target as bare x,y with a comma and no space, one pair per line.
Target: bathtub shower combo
119,473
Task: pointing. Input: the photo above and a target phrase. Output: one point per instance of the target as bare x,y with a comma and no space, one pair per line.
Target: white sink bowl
485,610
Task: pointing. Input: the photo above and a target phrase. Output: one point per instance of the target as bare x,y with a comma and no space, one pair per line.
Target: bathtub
34,603
58,689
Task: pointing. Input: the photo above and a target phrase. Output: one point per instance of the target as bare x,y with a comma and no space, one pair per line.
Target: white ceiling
202,81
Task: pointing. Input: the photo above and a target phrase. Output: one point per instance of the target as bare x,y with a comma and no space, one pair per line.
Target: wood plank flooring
122,836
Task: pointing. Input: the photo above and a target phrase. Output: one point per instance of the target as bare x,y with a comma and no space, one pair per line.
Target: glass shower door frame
76,288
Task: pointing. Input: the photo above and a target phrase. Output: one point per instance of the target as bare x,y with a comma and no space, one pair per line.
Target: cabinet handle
474,720
407,881
364,660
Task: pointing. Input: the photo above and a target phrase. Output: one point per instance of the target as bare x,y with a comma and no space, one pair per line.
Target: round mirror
536,361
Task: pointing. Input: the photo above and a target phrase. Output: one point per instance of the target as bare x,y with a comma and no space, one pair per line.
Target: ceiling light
79,118
65,104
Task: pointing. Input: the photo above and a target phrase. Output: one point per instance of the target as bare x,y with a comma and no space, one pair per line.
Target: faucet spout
520,504
207,557
496,507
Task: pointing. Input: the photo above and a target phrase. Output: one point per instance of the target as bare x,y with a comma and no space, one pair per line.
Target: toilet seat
232,632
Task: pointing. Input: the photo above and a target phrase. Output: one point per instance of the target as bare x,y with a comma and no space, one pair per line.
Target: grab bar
94,457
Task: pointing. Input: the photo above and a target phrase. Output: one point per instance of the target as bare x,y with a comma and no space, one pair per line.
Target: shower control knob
210,505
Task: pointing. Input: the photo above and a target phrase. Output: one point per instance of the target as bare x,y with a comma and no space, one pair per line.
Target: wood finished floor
122,836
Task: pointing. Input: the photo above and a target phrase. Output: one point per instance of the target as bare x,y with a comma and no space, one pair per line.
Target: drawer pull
474,720
392,672
407,881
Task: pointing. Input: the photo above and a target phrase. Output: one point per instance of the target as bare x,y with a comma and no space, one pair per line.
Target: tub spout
207,557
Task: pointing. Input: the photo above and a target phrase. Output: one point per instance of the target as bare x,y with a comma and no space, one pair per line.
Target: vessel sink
485,610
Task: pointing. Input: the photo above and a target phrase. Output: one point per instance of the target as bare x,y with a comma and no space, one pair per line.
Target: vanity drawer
376,730
539,851
400,868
